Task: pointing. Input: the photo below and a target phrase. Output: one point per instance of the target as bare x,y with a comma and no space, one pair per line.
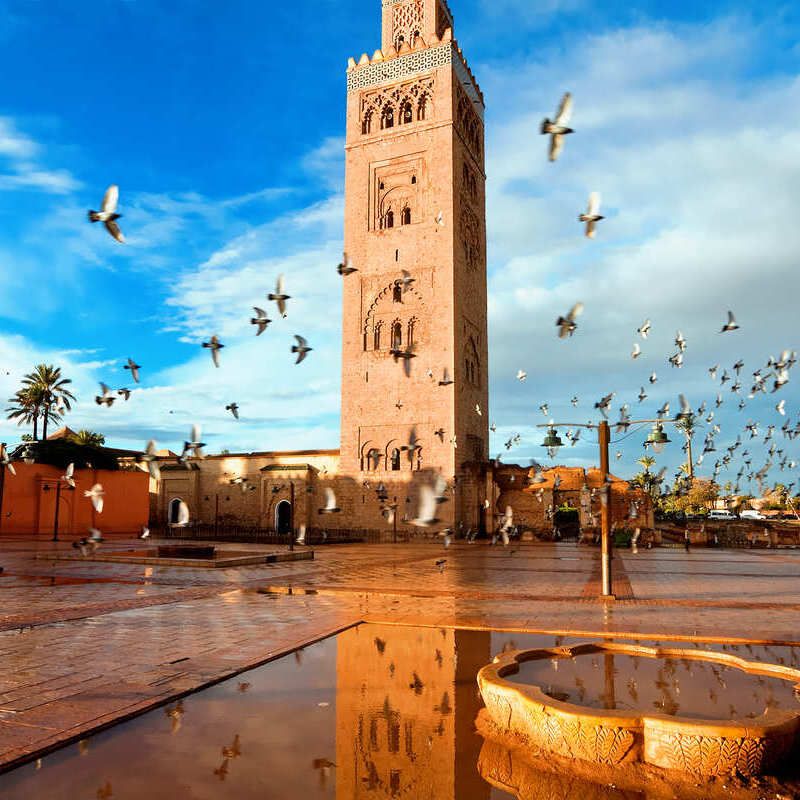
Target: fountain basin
610,736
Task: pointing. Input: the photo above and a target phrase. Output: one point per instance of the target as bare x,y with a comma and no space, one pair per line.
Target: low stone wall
738,533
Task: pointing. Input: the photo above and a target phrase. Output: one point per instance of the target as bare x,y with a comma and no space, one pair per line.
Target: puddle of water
677,687
378,711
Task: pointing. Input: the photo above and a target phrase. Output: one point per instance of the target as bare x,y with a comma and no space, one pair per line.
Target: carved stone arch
393,455
396,334
411,330
384,309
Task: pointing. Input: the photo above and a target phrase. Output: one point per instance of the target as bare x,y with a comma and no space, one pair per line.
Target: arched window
395,460
376,342
397,293
397,336
413,179
389,219
411,325
387,117
283,517
366,124
406,113
422,108
414,38
373,459
405,217
173,514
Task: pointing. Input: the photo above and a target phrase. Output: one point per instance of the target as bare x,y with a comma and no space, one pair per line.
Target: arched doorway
283,517
173,512
566,522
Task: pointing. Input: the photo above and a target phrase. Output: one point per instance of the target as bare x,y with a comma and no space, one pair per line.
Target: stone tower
414,201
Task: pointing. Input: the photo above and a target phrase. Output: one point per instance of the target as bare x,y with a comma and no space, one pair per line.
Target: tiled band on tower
414,201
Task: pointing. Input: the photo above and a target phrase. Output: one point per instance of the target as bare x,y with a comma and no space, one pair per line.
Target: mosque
415,400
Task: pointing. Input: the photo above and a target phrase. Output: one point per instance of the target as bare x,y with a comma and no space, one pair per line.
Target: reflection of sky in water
684,687
676,686
377,712
380,709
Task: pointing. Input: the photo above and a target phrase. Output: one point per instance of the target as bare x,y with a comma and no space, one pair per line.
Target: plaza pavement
86,644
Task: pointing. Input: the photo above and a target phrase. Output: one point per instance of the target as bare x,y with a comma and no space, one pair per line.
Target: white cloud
698,172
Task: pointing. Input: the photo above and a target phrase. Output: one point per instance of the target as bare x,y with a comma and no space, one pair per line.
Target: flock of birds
432,496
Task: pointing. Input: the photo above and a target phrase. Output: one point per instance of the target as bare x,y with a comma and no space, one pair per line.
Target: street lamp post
656,439
2,479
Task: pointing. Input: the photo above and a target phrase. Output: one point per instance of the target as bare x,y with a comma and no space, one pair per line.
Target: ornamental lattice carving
407,22
469,125
401,104
471,237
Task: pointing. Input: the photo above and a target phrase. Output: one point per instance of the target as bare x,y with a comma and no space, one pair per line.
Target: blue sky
223,127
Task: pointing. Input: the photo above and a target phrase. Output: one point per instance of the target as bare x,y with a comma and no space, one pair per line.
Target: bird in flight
637,351
345,267
567,325
95,494
731,324
445,381
260,319
124,393
214,345
645,329
521,374
108,213
234,409
134,368
301,348
107,398
330,502
67,477
279,296
591,217
557,129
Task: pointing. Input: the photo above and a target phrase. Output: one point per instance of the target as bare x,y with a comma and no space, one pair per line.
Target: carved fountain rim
508,664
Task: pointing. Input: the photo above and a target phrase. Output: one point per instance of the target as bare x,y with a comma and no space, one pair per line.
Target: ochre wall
27,508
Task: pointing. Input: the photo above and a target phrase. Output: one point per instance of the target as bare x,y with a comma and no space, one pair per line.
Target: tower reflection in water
406,706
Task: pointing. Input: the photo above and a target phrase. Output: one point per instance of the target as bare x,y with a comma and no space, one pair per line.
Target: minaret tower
414,201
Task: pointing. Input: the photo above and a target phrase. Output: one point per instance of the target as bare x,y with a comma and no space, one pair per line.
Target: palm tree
688,425
25,408
90,438
47,378
646,462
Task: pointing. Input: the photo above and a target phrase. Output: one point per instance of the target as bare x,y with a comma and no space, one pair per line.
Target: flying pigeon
6,460
428,504
653,377
642,395
106,398
301,348
439,219
134,368
637,351
645,329
521,375
330,502
406,281
279,297
604,404
149,458
781,408
108,213
680,342
445,381
557,129
567,325
234,409
95,494
260,320
214,345
574,401
345,267
712,371
730,325
406,355
125,393
591,217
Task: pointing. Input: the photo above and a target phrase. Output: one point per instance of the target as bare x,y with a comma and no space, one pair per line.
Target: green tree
646,462
52,388
24,408
89,438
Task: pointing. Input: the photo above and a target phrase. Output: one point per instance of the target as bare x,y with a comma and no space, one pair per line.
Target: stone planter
697,746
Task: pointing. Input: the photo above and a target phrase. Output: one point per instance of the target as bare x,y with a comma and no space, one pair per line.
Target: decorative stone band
366,76
695,746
